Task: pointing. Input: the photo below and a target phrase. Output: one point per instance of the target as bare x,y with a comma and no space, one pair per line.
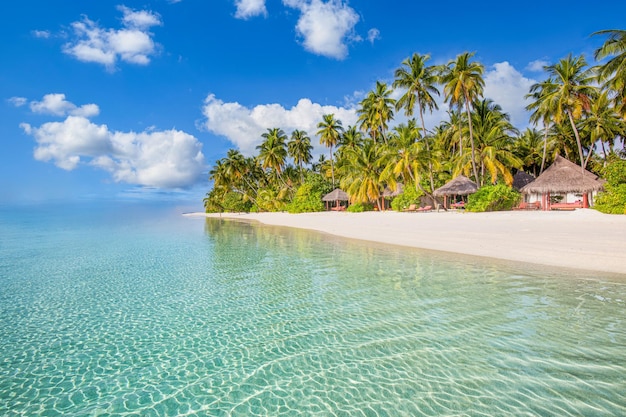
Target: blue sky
137,99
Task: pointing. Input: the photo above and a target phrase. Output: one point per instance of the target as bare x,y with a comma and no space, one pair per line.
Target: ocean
121,309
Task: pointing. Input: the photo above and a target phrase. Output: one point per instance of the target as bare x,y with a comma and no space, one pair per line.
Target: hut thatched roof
521,179
336,195
564,176
399,189
461,185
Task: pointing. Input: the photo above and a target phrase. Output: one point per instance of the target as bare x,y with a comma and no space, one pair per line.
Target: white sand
583,239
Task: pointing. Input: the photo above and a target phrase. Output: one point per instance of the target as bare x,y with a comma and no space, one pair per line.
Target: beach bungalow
388,194
458,187
337,196
565,179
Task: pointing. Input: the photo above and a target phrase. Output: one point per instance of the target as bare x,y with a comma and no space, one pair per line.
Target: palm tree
376,110
494,139
361,173
542,111
273,151
613,72
531,148
603,124
299,148
572,93
419,81
330,131
463,83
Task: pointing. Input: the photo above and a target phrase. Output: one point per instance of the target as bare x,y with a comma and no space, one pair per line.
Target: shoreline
582,239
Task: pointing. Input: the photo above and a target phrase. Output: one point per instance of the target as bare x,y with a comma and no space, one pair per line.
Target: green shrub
613,199
409,196
233,202
359,207
306,200
493,198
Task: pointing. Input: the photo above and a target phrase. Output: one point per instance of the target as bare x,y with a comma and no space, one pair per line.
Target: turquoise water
107,311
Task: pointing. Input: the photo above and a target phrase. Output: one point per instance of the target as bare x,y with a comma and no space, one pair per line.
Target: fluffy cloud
162,159
507,87
244,126
250,8
55,104
537,66
325,27
133,43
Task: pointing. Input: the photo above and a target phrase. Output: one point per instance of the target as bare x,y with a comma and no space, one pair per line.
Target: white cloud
18,101
43,34
537,66
133,43
507,87
250,8
57,105
244,126
162,159
373,35
325,27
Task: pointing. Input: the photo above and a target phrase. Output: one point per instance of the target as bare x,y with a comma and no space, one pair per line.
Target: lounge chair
338,208
412,207
566,206
459,205
528,206
425,208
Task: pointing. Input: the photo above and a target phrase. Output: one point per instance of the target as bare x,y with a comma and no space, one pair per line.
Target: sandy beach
582,239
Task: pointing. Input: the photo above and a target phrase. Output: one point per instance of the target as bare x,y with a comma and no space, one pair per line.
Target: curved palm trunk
471,131
332,166
580,147
545,147
430,163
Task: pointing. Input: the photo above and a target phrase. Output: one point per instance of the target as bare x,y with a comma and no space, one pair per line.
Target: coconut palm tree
376,110
330,130
273,151
542,110
613,72
531,148
361,173
299,148
572,93
603,124
463,84
419,81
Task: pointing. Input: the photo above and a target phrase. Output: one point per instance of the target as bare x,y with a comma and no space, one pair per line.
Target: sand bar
582,239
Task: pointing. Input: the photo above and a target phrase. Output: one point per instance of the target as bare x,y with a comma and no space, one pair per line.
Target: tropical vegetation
578,111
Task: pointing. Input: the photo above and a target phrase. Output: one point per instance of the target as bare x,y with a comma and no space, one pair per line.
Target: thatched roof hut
461,185
563,177
521,179
336,195
387,192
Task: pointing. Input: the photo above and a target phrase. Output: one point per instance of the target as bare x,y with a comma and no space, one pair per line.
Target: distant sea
135,310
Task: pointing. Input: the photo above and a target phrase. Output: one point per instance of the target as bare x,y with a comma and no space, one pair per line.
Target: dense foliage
493,198
613,199
578,111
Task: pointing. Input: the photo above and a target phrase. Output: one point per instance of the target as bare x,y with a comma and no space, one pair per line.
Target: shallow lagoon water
134,310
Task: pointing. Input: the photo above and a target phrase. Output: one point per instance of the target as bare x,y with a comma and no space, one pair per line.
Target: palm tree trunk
545,147
471,132
580,147
332,166
430,163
